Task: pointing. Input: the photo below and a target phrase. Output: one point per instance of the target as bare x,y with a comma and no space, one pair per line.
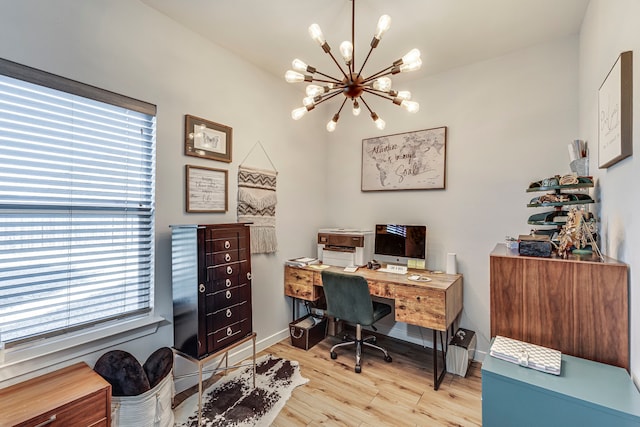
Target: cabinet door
506,297
548,307
601,313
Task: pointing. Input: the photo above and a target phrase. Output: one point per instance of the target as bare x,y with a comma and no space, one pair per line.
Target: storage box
462,348
308,331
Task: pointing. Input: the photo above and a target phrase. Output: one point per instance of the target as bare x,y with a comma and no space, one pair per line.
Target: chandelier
353,85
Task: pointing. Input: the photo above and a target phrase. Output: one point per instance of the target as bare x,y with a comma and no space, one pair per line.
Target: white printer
344,247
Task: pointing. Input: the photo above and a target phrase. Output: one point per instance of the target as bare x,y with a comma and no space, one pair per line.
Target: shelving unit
558,197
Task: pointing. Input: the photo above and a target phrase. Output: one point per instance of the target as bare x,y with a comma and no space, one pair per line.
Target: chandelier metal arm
328,97
333,81
341,105
329,77
338,64
374,92
381,73
366,105
365,60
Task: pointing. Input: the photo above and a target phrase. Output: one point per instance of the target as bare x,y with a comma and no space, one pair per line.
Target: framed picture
615,106
206,189
405,161
207,139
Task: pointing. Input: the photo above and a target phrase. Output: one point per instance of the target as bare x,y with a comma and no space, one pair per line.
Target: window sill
34,356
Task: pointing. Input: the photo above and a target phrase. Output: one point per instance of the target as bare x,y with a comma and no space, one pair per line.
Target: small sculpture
577,233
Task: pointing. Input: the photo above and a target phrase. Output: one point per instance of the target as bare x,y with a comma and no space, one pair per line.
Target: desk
434,305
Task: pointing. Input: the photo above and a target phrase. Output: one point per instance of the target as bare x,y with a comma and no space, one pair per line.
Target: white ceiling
449,33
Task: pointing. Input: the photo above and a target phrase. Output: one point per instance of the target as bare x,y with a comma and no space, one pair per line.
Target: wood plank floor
384,394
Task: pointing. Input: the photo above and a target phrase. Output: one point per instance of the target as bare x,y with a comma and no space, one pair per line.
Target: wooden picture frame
615,113
206,189
207,139
405,161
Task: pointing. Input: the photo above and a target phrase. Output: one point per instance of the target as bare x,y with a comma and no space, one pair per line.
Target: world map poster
406,161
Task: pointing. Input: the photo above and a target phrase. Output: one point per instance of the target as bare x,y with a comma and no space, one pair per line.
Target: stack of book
301,262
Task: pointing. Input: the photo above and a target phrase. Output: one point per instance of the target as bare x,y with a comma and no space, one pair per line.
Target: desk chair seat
348,299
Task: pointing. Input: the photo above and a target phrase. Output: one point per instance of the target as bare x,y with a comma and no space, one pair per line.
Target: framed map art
405,161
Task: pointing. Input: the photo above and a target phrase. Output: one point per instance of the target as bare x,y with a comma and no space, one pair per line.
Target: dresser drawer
88,411
226,298
74,396
240,270
228,316
228,335
226,256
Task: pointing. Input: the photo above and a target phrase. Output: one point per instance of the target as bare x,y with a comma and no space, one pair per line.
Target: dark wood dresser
75,396
211,276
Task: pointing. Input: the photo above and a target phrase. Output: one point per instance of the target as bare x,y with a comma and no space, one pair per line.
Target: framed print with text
206,189
207,139
615,105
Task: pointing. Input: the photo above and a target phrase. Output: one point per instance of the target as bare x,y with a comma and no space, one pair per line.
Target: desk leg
437,378
199,394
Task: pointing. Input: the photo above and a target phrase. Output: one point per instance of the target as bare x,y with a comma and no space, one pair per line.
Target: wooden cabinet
211,277
75,396
577,305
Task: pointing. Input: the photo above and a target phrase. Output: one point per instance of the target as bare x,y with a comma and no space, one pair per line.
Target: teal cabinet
587,393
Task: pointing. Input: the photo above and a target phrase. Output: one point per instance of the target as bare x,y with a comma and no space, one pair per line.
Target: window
77,197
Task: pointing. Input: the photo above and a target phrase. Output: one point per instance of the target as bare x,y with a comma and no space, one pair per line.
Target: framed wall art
207,139
406,161
206,189
615,105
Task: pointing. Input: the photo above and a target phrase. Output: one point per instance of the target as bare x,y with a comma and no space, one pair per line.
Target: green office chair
348,299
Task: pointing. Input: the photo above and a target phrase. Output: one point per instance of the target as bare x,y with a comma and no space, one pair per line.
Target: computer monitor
398,244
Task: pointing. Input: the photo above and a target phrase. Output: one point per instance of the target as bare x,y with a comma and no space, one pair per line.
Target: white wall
509,120
609,28
126,47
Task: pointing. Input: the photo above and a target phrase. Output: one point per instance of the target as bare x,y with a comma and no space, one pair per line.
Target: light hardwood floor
384,394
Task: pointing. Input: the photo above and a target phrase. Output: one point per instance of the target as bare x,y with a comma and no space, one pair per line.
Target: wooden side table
75,396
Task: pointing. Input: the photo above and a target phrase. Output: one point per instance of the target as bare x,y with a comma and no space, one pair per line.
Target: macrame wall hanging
257,204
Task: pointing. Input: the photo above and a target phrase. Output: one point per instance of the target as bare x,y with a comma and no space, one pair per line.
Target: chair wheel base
387,359
334,355
358,369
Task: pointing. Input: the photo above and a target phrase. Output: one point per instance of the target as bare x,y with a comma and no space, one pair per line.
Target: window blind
77,193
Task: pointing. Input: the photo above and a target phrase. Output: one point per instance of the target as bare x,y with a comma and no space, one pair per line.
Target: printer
344,247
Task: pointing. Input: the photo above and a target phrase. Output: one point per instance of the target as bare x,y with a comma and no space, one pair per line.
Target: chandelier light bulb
412,56
316,34
299,65
380,124
346,50
410,106
298,113
331,125
382,84
383,25
314,90
404,95
356,108
412,66
307,101
293,76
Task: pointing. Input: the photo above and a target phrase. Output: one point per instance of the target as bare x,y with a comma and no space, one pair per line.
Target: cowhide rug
232,400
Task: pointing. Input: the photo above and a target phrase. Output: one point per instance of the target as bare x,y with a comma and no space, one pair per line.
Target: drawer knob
228,294
227,244
201,288
249,276
51,419
229,312
229,269
227,257
227,282
229,331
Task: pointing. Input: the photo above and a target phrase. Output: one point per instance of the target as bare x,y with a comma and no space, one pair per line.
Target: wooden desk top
434,304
